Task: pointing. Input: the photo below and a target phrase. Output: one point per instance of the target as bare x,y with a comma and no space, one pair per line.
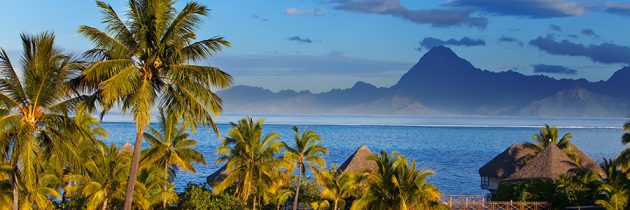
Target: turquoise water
454,147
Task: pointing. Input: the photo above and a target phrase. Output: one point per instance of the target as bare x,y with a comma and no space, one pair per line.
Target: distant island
442,83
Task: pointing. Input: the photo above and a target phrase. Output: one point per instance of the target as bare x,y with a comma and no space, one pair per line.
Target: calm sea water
454,147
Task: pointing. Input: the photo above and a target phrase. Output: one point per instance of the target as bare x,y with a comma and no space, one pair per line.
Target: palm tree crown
250,156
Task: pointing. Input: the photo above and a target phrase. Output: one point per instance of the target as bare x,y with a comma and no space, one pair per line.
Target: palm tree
614,187
142,61
36,108
171,148
549,135
104,177
396,185
336,188
250,156
278,191
157,188
307,151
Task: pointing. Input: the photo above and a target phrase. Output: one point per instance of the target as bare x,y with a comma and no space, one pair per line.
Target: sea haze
454,147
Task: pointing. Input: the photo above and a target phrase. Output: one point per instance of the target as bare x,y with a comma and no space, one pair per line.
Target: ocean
453,147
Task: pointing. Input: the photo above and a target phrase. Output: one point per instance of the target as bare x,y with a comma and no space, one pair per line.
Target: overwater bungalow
548,164
358,162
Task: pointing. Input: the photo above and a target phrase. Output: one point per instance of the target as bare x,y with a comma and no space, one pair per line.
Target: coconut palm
171,148
142,60
157,188
250,156
336,188
396,185
307,152
614,187
104,177
549,135
36,108
278,191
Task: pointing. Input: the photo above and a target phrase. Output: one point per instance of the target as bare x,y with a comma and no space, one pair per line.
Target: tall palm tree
142,60
614,187
396,185
307,152
336,188
250,156
36,107
171,148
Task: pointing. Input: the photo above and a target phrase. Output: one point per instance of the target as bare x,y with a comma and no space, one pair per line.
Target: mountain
442,83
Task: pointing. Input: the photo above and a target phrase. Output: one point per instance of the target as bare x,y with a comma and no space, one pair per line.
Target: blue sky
318,45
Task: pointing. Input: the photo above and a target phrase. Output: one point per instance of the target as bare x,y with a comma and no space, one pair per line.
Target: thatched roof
549,164
219,175
358,162
587,162
506,163
126,148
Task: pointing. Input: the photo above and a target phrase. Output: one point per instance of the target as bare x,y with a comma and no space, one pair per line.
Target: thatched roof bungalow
126,148
548,164
503,165
358,162
218,176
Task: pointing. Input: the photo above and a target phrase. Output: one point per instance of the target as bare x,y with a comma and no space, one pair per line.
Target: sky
319,45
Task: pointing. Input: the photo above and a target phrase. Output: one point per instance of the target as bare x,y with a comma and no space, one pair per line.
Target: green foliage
397,184
309,190
575,190
615,187
197,197
533,190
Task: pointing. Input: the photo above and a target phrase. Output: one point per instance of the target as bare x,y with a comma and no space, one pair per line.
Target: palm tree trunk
335,208
16,192
135,159
254,203
104,204
166,181
297,190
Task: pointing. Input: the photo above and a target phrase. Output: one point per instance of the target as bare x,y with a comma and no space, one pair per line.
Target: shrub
198,197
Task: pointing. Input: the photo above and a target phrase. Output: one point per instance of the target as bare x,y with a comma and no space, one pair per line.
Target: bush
309,191
578,190
198,197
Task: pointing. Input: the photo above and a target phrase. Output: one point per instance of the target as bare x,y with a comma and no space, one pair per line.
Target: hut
548,164
358,162
218,176
126,148
503,165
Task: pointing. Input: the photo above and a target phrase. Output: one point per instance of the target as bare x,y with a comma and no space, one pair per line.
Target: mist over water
454,147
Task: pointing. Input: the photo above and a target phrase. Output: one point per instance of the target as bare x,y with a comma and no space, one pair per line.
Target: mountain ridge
443,83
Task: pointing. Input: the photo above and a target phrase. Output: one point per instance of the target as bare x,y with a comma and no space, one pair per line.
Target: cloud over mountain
525,8
433,17
430,42
554,69
607,53
618,8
